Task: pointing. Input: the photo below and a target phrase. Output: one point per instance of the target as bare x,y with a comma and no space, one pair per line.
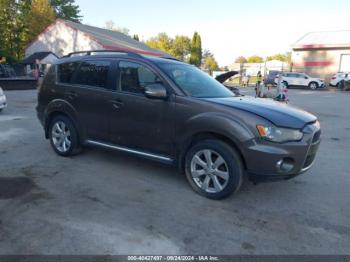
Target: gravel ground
103,202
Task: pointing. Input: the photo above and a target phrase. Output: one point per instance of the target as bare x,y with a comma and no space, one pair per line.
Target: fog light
285,165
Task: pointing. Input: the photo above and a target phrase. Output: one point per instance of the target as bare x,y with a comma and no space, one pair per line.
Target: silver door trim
128,150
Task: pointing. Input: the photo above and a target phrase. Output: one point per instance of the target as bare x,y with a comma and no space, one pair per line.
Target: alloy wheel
61,136
209,171
313,86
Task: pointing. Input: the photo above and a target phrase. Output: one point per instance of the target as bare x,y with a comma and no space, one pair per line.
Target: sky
228,28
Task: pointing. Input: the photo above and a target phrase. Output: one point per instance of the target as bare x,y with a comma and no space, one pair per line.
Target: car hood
278,113
223,77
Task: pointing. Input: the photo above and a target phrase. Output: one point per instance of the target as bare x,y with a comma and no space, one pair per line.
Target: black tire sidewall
73,136
233,161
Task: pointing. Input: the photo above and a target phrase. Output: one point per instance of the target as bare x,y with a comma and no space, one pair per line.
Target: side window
93,73
66,71
134,77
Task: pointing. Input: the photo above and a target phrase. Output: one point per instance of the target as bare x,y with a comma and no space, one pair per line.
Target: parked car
345,85
3,102
301,80
169,111
7,71
225,76
270,78
338,79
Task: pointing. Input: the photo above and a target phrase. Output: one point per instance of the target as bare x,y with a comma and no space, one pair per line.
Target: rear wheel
313,85
64,136
341,84
214,169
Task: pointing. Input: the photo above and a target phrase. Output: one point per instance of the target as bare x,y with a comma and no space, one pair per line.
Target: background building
322,54
252,69
63,37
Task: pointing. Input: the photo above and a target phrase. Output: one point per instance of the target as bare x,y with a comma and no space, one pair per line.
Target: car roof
152,59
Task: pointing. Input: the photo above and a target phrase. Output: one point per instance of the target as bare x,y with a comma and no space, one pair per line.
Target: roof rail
91,52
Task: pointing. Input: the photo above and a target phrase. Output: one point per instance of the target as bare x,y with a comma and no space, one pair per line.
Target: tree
162,42
280,57
110,25
241,60
255,59
210,64
66,9
196,50
40,16
13,28
136,37
181,47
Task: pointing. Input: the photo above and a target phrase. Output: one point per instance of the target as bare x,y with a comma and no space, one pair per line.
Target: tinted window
93,73
134,77
66,71
194,82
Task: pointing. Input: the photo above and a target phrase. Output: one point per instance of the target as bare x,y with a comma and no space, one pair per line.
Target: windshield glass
195,82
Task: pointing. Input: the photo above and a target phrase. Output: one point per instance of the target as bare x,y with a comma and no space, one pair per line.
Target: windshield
195,82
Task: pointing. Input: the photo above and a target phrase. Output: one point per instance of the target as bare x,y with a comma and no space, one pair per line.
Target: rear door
89,94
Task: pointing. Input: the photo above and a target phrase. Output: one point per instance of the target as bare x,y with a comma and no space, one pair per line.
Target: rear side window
66,71
93,73
134,77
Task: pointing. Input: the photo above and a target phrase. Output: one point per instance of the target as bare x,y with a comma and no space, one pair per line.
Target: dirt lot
103,202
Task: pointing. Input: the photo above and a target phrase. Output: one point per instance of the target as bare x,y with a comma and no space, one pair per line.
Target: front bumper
3,102
274,161
322,85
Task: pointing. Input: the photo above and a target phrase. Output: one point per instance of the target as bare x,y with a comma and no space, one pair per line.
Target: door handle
117,103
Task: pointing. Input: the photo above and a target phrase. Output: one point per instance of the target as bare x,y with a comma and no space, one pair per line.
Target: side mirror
306,77
156,91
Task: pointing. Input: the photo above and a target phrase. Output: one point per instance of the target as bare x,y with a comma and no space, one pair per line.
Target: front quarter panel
194,116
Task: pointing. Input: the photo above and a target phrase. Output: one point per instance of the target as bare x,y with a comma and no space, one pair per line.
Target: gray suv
169,111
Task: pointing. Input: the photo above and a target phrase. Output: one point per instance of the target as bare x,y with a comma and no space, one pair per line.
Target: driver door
139,122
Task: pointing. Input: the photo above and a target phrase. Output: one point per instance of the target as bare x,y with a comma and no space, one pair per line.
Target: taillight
334,77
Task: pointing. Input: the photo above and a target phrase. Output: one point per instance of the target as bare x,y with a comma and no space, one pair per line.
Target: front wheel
313,85
214,169
63,136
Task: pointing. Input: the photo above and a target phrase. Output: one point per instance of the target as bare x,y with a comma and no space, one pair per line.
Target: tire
204,178
65,143
313,85
341,85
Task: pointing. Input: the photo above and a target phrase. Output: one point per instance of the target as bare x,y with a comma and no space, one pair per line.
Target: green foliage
196,50
181,47
40,16
136,37
66,9
178,47
281,57
255,59
241,60
22,20
14,29
209,63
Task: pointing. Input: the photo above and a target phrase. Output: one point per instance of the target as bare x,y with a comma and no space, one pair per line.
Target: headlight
278,134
